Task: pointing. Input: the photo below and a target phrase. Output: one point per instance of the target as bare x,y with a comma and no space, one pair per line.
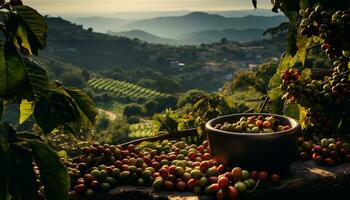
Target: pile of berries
254,124
169,166
327,151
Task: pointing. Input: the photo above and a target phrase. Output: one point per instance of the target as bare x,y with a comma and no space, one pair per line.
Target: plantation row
124,89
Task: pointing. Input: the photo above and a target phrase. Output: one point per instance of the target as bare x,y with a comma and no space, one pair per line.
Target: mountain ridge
174,26
211,36
100,24
145,36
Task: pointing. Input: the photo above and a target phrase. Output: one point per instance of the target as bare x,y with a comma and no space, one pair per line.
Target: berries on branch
330,26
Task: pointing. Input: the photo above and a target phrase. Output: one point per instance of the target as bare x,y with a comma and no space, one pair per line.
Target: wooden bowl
260,151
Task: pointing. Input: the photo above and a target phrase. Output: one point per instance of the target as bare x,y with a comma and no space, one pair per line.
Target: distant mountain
142,35
244,13
211,36
195,38
137,15
101,24
172,27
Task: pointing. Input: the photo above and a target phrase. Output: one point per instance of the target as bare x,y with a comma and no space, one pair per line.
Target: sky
111,6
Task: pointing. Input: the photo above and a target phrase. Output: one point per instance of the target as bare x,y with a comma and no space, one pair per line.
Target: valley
191,28
135,78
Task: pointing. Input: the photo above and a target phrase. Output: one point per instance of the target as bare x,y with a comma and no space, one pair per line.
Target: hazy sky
110,6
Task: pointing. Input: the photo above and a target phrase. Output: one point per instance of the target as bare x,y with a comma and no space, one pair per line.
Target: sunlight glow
110,6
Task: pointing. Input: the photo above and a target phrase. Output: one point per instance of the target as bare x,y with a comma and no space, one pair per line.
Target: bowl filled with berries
254,140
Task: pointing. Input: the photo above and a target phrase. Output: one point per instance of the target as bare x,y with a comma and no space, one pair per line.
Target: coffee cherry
240,186
223,182
275,178
232,193
158,184
263,175
220,195
196,174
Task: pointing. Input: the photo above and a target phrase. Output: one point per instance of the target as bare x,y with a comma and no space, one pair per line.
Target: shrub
133,109
190,97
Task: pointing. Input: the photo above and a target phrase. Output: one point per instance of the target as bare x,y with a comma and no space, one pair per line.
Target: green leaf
23,180
292,110
277,106
37,27
302,44
86,105
275,93
26,109
6,135
275,81
56,109
305,74
303,117
38,80
12,72
53,174
21,40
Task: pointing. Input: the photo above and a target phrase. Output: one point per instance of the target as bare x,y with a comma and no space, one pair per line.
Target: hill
164,68
101,24
142,35
196,38
199,21
211,36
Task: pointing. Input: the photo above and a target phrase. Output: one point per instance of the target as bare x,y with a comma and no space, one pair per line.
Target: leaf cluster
53,106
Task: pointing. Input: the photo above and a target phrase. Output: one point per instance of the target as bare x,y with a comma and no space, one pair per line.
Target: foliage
168,120
195,115
258,78
190,97
25,82
152,107
166,102
133,109
102,123
113,132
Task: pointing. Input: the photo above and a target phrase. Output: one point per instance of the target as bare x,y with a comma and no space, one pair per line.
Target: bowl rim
293,122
